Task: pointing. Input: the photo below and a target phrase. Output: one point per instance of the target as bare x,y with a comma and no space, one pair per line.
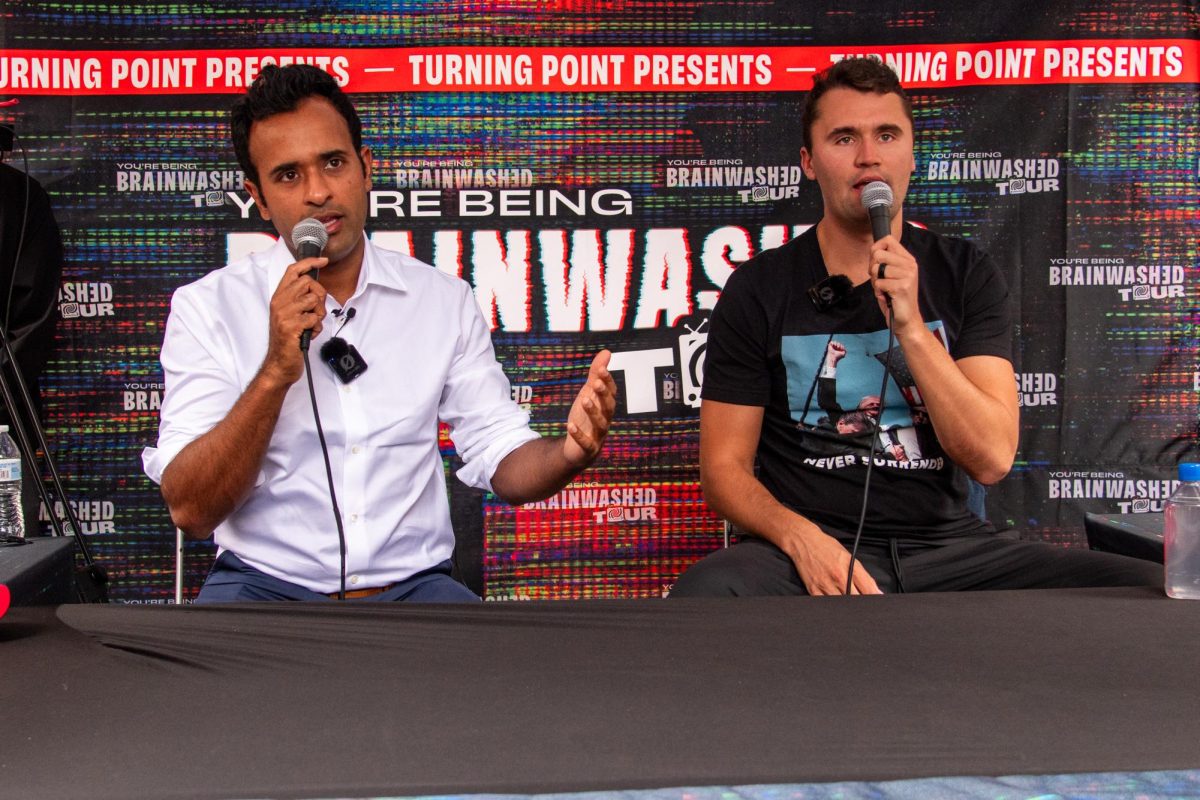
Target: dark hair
860,420
277,90
862,74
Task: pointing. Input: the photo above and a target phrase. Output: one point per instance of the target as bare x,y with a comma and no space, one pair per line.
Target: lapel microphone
344,315
341,356
830,292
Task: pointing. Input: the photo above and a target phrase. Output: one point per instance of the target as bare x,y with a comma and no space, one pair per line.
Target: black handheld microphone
877,200
309,238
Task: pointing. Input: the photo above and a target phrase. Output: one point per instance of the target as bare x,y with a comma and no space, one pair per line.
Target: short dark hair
857,419
278,90
862,74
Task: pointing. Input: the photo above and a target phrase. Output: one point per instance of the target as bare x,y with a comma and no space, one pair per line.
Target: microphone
309,238
877,200
344,315
830,292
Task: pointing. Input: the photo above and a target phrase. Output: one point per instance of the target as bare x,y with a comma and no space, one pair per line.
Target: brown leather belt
356,594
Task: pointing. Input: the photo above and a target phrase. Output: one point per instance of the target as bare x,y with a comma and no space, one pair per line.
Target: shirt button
355,450
354,579
354,517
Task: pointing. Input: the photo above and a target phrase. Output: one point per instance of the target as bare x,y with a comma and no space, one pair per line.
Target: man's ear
365,156
806,163
255,193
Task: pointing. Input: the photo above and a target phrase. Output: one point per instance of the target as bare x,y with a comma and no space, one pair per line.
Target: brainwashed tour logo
95,516
1132,496
607,504
205,186
1009,176
461,187
459,173
84,299
142,396
751,183
522,395
1036,389
1134,283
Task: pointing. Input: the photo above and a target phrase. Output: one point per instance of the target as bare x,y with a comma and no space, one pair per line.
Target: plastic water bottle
1181,536
12,516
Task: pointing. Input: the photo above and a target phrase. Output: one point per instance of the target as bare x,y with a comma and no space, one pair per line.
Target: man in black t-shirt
781,372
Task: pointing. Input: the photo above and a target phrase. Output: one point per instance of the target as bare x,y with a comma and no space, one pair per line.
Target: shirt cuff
155,460
479,470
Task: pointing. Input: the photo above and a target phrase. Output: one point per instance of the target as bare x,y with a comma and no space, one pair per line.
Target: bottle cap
3,429
1189,472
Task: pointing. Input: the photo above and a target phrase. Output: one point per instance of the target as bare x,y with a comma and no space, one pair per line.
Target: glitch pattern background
1109,372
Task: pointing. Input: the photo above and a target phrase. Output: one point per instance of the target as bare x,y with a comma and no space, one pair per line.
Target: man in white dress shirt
238,455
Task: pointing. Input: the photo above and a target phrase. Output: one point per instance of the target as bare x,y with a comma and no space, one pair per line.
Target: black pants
756,567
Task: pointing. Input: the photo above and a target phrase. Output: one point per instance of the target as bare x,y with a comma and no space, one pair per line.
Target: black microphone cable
862,514
309,239
337,514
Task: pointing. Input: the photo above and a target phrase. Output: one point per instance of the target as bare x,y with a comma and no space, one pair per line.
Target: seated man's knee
705,578
753,567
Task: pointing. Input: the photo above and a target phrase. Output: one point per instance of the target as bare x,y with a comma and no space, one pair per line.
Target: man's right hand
729,435
823,562
297,305
834,352
199,496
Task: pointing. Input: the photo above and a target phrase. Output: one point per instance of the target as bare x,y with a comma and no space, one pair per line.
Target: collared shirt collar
375,270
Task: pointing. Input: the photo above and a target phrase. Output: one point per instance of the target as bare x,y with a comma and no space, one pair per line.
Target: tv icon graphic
693,346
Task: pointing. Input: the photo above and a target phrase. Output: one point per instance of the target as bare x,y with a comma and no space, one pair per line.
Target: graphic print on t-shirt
834,382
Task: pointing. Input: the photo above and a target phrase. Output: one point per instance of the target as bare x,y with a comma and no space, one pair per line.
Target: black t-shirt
818,375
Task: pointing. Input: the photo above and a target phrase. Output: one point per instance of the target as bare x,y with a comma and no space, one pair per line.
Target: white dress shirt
429,356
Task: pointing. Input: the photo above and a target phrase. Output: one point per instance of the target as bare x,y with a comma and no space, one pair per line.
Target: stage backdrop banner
596,170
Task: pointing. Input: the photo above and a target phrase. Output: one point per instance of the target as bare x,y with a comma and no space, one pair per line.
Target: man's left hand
591,413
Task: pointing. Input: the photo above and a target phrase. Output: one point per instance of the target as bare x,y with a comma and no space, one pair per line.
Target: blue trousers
234,581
